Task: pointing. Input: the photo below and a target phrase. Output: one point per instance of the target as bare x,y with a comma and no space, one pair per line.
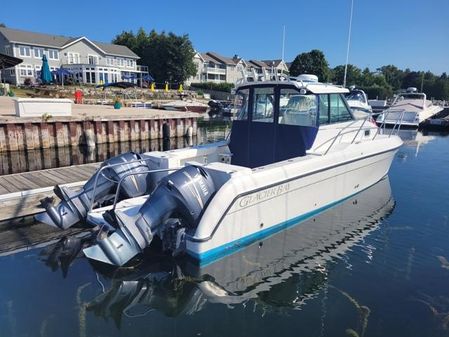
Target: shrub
225,87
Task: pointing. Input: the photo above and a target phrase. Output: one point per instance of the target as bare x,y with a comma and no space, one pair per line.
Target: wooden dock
20,193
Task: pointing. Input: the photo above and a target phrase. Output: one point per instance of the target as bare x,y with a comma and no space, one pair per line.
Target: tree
169,57
353,76
393,76
2,25
312,62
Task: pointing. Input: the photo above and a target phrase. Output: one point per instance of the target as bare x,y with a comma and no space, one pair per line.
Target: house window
53,54
93,59
26,70
24,51
8,50
38,53
109,61
73,58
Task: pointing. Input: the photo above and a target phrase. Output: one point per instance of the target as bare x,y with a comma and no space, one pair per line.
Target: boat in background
358,102
185,105
409,109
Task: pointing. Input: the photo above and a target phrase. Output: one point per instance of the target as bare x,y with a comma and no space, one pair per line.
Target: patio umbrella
61,72
45,71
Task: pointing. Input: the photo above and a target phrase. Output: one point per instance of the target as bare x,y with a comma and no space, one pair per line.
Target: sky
409,34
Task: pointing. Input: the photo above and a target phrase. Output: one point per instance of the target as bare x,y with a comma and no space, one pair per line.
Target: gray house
89,61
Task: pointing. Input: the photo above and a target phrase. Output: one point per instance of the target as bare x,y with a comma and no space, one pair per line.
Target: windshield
356,96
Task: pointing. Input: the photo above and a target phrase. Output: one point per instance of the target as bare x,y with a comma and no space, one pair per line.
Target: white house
89,61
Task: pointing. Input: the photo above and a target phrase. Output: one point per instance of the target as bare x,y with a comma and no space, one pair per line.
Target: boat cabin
279,120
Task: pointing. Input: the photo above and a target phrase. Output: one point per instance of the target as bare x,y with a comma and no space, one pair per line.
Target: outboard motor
75,205
176,205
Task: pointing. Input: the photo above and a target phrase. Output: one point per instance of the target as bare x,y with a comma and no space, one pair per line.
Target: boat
185,105
298,261
358,102
280,165
409,109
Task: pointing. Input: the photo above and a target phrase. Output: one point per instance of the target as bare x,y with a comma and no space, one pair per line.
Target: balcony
143,69
213,70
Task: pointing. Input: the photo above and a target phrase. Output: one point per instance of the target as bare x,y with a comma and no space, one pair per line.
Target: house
213,67
89,61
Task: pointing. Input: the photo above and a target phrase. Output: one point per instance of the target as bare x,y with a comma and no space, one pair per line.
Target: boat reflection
283,271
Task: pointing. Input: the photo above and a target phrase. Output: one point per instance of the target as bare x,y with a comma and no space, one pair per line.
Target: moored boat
294,151
185,105
409,109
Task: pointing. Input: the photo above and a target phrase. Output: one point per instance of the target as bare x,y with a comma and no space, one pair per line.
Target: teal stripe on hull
217,253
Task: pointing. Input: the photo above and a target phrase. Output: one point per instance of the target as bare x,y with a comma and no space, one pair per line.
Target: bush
225,87
27,82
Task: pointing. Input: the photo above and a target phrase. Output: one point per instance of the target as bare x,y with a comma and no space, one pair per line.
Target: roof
59,41
313,87
258,64
220,58
272,62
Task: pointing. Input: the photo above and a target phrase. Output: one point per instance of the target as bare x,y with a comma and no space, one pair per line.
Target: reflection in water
282,272
32,160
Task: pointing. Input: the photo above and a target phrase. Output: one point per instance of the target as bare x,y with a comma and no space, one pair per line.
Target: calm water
376,265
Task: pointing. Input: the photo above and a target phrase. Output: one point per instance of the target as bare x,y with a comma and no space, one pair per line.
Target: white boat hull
262,210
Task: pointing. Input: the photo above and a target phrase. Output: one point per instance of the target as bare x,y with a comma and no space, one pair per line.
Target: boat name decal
263,195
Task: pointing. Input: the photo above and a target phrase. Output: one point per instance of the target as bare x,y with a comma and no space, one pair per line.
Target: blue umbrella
45,71
148,78
61,72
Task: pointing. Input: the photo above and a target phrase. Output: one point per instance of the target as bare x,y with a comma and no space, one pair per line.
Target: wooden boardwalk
20,193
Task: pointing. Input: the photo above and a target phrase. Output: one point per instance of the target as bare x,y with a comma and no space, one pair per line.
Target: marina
397,242
161,175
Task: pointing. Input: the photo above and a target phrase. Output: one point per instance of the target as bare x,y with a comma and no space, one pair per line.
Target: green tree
169,57
393,76
353,76
2,24
312,62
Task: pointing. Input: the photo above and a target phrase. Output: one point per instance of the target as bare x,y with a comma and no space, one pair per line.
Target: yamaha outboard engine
176,205
75,205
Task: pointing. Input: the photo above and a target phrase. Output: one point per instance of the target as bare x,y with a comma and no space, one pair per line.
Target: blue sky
406,33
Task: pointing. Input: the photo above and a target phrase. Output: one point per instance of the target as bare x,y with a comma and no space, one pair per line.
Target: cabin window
241,104
263,107
324,109
338,110
297,109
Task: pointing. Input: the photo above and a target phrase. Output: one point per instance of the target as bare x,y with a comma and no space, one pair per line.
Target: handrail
334,137
105,167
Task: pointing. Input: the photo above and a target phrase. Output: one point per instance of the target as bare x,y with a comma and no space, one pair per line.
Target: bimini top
305,81
279,119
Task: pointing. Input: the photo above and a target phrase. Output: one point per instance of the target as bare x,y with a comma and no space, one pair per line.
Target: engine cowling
182,195
74,206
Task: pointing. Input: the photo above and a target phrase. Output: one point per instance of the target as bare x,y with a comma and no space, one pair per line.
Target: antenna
349,42
283,43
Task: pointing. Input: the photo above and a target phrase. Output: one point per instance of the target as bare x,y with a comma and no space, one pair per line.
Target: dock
20,193
90,125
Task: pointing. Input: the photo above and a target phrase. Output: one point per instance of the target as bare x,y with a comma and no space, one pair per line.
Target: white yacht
283,163
298,259
358,102
410,109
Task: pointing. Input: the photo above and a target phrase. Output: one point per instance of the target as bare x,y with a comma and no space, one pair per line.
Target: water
376,265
